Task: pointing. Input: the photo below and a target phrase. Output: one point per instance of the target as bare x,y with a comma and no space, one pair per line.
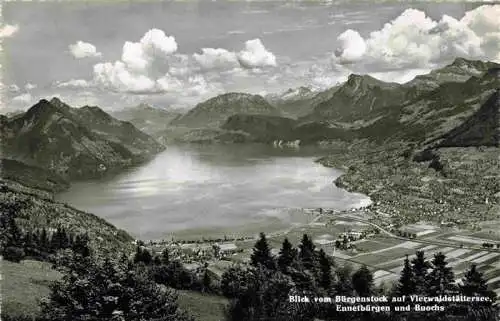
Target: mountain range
363,107
450,104
214,112
73,143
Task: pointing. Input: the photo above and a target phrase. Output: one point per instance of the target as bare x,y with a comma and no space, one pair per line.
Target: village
358,237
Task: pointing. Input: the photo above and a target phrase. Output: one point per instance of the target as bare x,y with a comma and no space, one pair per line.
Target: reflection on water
211,186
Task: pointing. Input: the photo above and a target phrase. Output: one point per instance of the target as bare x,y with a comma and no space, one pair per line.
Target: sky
176,54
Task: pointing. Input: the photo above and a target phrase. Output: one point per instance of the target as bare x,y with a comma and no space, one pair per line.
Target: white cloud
211,58
25,98
82,49
256,55
14,88
414,40
152,65
143,67
119,77
74,83
352,47
7,31
29,86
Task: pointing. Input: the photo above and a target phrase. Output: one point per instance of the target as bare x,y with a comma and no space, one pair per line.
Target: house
416,230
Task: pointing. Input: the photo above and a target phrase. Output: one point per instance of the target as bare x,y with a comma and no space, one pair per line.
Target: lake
213,187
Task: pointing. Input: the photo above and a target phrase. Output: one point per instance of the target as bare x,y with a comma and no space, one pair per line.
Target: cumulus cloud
256,55
143,67
352,45
82,49
25,98
7,30
219,58
153,65
413,40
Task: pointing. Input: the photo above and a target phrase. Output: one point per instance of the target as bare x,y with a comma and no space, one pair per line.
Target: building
224,249
416,230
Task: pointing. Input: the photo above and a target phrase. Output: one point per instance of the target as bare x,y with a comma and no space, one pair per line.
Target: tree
266,298
14,254
143,255
206,281
307,253
344,285
286,256
441,278
165,256
81,245
325,268
474,284
406,285
420,267
362,281
102,290
44,241
262,254
235,281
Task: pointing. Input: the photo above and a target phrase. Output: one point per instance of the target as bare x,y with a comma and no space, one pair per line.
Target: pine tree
343,285
325,267
286,256
406,285
55,240
44,241
474,284
81,246
420,268
65,239
206,282
362,281
165,256
441,278
307,253
28,243
262,254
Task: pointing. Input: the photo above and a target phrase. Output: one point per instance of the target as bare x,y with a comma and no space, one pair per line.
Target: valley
372,172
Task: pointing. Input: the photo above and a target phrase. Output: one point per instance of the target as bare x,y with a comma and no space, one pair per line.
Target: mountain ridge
75,143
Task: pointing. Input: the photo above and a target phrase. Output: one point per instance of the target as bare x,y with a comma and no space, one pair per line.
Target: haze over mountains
457,105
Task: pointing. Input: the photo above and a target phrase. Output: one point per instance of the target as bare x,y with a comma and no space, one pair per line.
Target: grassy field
204,307
23,285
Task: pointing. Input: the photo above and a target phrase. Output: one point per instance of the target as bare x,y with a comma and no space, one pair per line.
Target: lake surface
193,187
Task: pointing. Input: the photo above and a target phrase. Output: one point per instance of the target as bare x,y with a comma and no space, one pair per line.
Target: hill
146,118
481,129
214,112
74,143
33,176
260,127
35,209
360,99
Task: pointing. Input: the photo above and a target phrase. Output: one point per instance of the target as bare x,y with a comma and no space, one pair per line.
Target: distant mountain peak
55,101
43,106
144,106
365,80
